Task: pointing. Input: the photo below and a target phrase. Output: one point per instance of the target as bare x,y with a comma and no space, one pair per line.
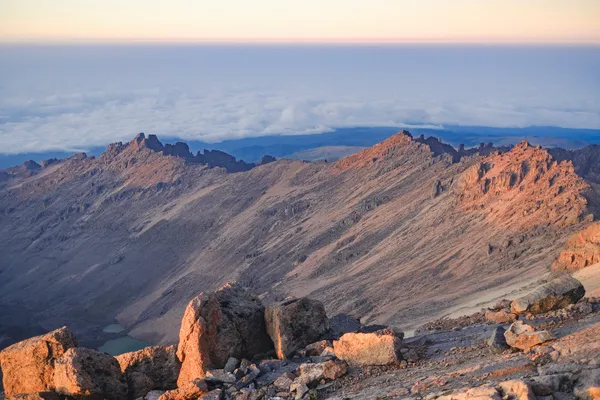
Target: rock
86,372
293,324
217,326
152,368
285,381
500,317
231,364
216,394
587,386
220,375
485,392
497,342
554,295
524,337
154,394
36,396
516,389
300,388
28,366
317,349
378,348
342,324
188,391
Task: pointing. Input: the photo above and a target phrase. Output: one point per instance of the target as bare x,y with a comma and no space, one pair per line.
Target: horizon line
299,41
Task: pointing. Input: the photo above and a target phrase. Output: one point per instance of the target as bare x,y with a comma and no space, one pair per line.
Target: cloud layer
73,98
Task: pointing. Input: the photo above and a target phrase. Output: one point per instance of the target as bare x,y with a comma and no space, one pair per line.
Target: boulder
190,390
152,368
524,337
294,324
516,389
28,366
86,372
317,348
554,295
500,316
216,326
497,342
377,348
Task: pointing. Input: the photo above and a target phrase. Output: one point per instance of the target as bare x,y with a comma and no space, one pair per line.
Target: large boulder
86,372
378,348
152,368
522,336
294,324
554,295
219,325
28,366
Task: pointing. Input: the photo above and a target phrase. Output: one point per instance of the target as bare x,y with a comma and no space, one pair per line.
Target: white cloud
77,103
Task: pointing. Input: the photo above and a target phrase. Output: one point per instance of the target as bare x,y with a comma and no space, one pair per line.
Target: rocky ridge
136,232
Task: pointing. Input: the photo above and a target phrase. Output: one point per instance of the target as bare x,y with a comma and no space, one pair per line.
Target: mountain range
399,233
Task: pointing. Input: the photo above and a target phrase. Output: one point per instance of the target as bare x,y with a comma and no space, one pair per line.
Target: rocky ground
543,345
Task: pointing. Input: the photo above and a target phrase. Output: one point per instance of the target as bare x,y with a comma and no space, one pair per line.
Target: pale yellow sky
301,20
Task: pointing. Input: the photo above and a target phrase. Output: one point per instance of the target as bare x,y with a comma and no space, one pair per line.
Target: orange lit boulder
152,368
86,372
216,326
28,366
378,348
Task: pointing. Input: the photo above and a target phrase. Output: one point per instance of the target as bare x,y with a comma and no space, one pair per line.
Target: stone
28,366
500,316
285,381
216,394
253,373
220,375
378,348
152,368
216,326
484,392
556,294
342,324
310,373
587,386
524,337
516,389
231,364
188,391
154,394
497,342
316,349
86,372
294,324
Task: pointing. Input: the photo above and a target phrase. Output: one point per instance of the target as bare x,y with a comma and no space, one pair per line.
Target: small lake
123,344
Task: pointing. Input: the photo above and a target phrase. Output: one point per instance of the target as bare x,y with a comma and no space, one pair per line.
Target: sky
514,21
74,97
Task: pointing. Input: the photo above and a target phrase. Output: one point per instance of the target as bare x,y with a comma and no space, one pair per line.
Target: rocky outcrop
585,160
86,372
216,326
527,186
28,366
582,250
152,368
558,293
524,337
378,348
294,324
